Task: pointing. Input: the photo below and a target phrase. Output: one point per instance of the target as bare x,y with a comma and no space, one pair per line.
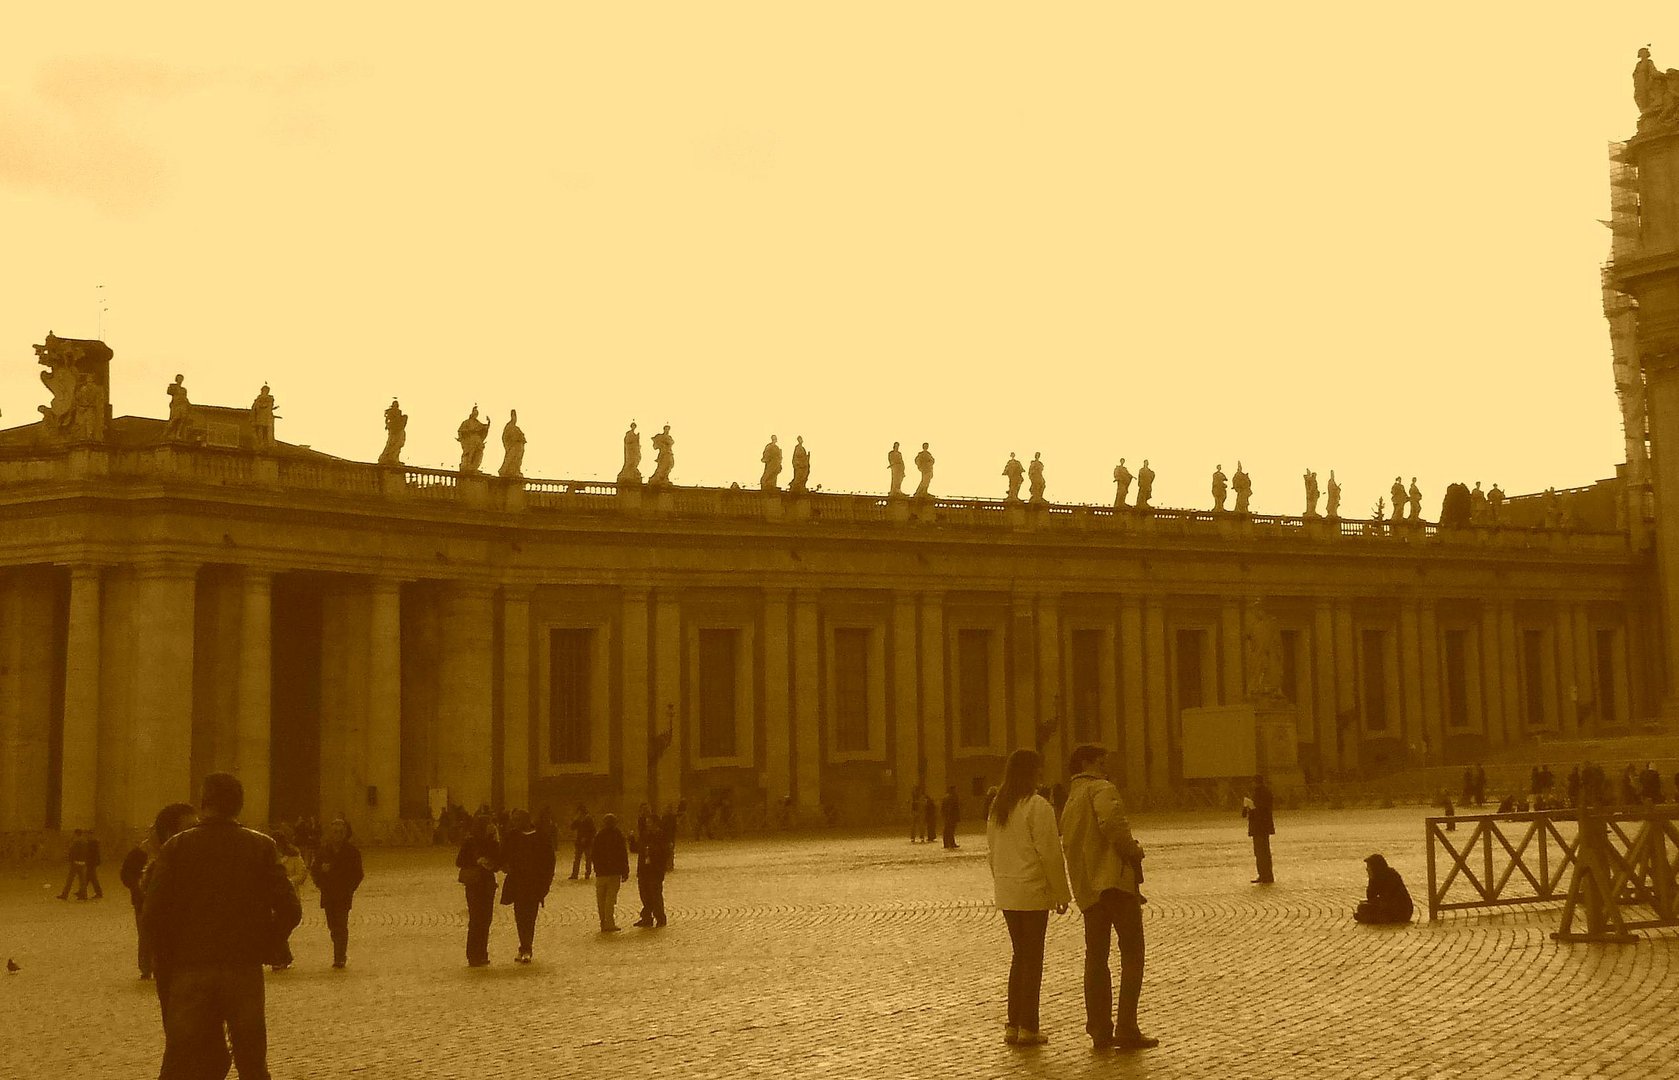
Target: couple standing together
1031,863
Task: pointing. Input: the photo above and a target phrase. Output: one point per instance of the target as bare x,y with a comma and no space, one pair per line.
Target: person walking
133,868
528,859
952,809
1261,825
652,862
929,818
916,799
170,820
77,874
217,901
582,843
93,867
479,858
1103,860
337,873
1029,877
612,868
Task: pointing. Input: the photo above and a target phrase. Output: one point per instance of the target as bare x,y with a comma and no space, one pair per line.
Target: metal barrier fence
1628,860
1500,860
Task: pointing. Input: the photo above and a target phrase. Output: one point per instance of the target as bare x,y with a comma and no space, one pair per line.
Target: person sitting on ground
1508,806
1385,898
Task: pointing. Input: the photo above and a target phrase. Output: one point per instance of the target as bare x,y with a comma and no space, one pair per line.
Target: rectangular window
1608,706
1291,667
1375,680
568,696
1457,678
973,665
1533,677
1087,685
851,690
718,653
1191,693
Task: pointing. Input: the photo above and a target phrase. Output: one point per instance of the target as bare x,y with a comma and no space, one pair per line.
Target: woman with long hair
1030,876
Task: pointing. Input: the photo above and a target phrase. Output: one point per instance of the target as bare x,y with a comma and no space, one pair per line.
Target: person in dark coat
612,869
952,809
528,859
1385,898
217,902
582,843
77,875
133,866
652,861
169,821
1650,783
1261,824
667,826
337,873
929,817
549,830
93,865
479,858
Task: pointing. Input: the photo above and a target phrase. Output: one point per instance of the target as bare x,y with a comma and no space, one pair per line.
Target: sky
1313,235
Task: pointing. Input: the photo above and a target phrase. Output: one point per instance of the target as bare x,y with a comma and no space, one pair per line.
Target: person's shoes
1011,1034
612,929
1030,1038
572,878
1264,881
522,958
660,924
477,963
145,975
61,896
278,967
1136,1040
643,922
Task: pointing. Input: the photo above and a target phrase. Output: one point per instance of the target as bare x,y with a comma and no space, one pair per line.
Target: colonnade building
363,639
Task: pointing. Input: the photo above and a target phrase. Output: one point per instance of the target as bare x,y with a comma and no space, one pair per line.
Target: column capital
470,590
515,594
776,594
165,569
83,571
634,593
380,585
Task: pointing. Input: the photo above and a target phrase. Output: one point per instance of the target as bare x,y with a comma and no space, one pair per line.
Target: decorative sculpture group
1122,482
78,377
1655,92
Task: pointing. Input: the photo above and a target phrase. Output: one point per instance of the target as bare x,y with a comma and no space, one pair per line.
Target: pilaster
252,733
160,749
79,775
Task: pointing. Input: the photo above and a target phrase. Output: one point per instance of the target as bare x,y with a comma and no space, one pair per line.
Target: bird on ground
11,967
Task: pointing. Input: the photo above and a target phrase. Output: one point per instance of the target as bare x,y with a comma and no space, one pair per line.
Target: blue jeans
204,1001
1026,967
1114,912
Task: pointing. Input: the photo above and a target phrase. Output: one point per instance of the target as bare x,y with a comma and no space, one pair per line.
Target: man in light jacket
1102,858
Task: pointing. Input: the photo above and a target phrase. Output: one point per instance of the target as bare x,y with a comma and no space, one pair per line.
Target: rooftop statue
1035,477
1333,509
1311,494
924,462
664,458
1495,506
1243,486
631,472
512,447
1477,505
1221,485
1145,486
801,467
471,435
1413,510
1016,472
179,427
1655,92
1122,478
396,435
895,464
1398,493
772,465
262,419
79,377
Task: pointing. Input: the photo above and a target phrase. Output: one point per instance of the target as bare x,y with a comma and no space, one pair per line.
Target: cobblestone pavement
864,956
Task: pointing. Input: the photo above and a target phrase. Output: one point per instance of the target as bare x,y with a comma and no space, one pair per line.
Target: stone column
934,722
1583,670
1023,691
807,704
1514,704
465,714
1157,755
1346,685
1492,676
516,697
1107,708
1410,676
252,746
633,769
1323,688
79,774
1433,708
1232,690
666,706
161,737
1053,703
384,698
1134,715
906,724
1568,715
778,723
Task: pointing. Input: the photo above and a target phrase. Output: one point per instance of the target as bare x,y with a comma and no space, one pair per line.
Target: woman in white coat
1030,875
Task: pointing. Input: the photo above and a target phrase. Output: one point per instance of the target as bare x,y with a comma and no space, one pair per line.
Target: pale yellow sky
1329,235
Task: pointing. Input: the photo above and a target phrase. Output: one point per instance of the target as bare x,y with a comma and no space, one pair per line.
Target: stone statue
1398,493
1456,508
924,463
1413,509
1015,472
471,435
179,427
772,465
895,463
1220,486
78,376
1495,506
1553,516
1243,486
1477,505
1122,478
1263,651
262,419
1311,494
631,472
396,435
801,467
1145,486
664,458
1655,92
1333,509
512,447
1035,477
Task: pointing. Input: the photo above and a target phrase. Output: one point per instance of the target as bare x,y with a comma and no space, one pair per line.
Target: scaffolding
1621,311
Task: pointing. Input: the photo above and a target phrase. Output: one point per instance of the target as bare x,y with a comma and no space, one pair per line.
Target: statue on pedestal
1553,515
1495,506
179,427
1243,486
1145,486
471,435
1311,494
1016,472
1333,508
631,472
801,467
924,463
664,458
1655,92
1456,508
79,377
1220,486
396,435
1035,477
772,465
512,447
1263,643
895,464
1413,509
1122,478
1477,505
1398,493
262,419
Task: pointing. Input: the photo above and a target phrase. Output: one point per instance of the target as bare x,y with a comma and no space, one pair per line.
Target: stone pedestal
1277,745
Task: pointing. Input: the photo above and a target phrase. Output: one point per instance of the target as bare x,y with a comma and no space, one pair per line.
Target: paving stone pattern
866,956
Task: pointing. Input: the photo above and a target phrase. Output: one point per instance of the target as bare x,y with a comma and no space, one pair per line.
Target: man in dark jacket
133,866
952,812
77,875
217,902
652,860
929,817
612,869
582,843
93,866
1261,824
337,873
1386,899
528,859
